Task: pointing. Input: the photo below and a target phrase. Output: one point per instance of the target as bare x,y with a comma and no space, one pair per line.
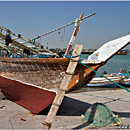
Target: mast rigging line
31,41
65,26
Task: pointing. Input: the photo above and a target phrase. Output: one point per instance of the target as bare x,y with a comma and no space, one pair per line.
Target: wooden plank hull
44,72
20,79
83,78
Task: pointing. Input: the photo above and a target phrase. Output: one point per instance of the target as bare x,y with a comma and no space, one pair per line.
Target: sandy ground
13,116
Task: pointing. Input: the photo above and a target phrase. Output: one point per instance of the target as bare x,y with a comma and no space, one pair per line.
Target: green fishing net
100,115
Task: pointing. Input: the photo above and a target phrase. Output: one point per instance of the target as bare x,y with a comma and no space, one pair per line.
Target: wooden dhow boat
33,82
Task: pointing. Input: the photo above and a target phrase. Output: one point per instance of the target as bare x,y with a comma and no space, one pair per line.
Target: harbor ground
13,116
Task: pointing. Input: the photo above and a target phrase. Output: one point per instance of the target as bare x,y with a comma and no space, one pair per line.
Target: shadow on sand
73,107
70,107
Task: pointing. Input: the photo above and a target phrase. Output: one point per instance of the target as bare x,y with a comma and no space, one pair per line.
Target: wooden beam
18,44
65,83
13,33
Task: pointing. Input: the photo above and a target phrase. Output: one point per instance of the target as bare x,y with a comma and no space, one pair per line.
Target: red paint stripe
74,34
68,48
30,97
77,28
76,31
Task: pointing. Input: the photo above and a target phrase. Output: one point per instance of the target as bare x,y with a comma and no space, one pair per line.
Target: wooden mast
77,25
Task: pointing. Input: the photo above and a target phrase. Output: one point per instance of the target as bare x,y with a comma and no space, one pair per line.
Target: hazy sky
34,18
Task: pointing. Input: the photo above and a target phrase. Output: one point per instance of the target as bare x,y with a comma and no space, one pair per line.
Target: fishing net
100,115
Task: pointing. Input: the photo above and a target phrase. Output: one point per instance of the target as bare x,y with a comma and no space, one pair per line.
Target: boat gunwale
35,60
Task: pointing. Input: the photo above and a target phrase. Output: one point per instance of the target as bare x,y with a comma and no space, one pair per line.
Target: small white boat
103,82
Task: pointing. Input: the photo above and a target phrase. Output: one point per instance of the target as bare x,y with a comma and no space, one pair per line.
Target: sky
34,18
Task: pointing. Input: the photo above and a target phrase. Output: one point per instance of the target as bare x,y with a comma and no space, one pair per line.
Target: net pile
100,115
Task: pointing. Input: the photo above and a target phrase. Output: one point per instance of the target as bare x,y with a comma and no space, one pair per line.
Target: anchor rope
101,74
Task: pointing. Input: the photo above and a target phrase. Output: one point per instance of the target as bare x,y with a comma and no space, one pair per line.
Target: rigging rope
105,77
65,25
100,74
32,40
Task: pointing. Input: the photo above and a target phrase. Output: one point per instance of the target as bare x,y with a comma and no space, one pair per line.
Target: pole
77,25
65,83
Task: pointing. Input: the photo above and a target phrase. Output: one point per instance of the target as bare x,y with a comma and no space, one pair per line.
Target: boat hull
31,97
30,82
103,82
43,72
